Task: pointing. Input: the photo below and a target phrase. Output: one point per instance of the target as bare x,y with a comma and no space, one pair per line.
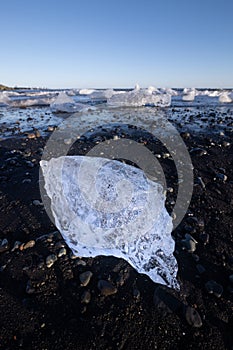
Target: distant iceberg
140,97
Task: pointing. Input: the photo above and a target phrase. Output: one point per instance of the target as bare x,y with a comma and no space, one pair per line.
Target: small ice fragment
105,207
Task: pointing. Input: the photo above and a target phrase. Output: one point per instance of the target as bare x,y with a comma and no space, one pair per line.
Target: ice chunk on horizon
140,97
225,97
66,104
105,207
4,98
189,94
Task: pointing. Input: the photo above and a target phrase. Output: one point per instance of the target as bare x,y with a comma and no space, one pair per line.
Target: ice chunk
105,207
4,98
225,97
189,94
66,104
140,97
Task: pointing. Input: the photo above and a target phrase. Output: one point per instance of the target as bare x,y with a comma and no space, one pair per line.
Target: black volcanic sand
47,307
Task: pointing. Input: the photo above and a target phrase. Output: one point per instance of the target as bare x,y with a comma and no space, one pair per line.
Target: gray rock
192,317
221,177
200,269
50,260
215,288
36,202
85,278
106,288
86,297
189,243
231,278
4,245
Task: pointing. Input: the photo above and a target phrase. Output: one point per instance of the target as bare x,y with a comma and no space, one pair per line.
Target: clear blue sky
107,43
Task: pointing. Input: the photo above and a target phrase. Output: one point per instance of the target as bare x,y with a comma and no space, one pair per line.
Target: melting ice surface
105,207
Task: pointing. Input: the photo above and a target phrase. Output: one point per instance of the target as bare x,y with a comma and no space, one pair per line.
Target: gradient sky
73,43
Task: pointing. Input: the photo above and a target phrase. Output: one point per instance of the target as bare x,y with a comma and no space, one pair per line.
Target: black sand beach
43,303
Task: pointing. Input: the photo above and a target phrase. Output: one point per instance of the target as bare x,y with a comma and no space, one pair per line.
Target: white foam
104,207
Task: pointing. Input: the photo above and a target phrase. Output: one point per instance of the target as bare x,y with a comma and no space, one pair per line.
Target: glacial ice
225,97
105,207
140,97
189,94
66,104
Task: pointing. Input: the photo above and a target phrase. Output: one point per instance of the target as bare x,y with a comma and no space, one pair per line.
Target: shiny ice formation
105,207
140,97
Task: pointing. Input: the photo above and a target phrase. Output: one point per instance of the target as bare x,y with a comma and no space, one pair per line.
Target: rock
61,252
29,244
37,203
50,260
85,278
29,164
86,297
204,237
213,287
80,263
29,288
31,136
189,243
198,151
106,288
136,294
231,278
201,182
192,317
67,141
17,244
200,269
4,245
221,177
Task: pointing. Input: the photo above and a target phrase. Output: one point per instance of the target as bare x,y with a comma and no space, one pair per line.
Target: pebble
201,182
221,177
61,252
29,244
17,244
85,278
106,288
204,237
37,203
29,288
215,288
198,151
86,297
50,260
200,269
4,245
192,317
81,263
189,243
31,136
231,278
67,141
136,293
